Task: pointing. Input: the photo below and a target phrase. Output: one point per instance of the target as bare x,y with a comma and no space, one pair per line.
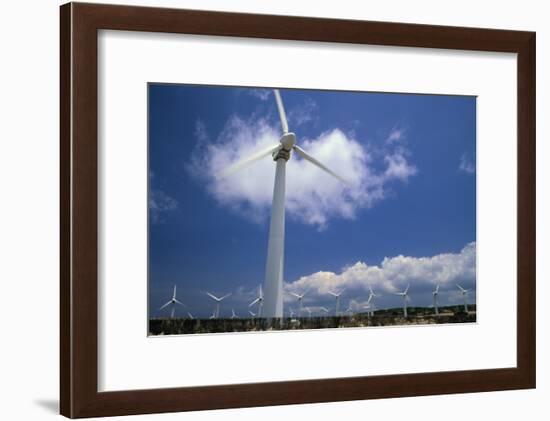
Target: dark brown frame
80,23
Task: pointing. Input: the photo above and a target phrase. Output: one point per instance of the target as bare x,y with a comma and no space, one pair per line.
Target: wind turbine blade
253,302
249,160
225,296
174,296
281,108
296,295
333,294
168,303
212,296
311,159
407,289
437,289
179,302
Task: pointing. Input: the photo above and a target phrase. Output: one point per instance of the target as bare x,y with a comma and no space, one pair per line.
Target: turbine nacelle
288,141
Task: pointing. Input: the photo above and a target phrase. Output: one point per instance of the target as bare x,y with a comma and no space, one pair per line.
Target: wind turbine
213,315
260,301
291,312
372,295
368,307
435,294
464,293
300,297
218,300
233,315
337,297
173,303
252,314
404,294
281,153
324,310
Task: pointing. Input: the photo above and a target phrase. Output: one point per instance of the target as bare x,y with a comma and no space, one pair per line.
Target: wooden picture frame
79,203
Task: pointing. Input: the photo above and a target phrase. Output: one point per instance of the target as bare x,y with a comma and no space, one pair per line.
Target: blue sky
408,216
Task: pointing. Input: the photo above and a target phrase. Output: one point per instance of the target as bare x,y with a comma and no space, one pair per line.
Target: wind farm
313,316
301,209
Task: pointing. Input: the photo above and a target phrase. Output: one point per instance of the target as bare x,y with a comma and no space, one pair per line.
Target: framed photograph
317,210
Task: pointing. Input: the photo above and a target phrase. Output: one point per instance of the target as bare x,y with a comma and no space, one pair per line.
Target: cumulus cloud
393,274
466,164
312,197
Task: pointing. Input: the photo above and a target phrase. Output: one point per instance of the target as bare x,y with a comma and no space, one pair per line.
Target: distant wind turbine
308,311
281,153
368,307
259,300
435,294
252,314
300,298
291,312
464,294
337,298
372,294
173,303
405,296
218,301
233,315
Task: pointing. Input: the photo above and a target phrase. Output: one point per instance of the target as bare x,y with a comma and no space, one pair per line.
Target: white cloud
466,165
159,204
260,93
395,135
313,197
303,113
393,274
398,166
